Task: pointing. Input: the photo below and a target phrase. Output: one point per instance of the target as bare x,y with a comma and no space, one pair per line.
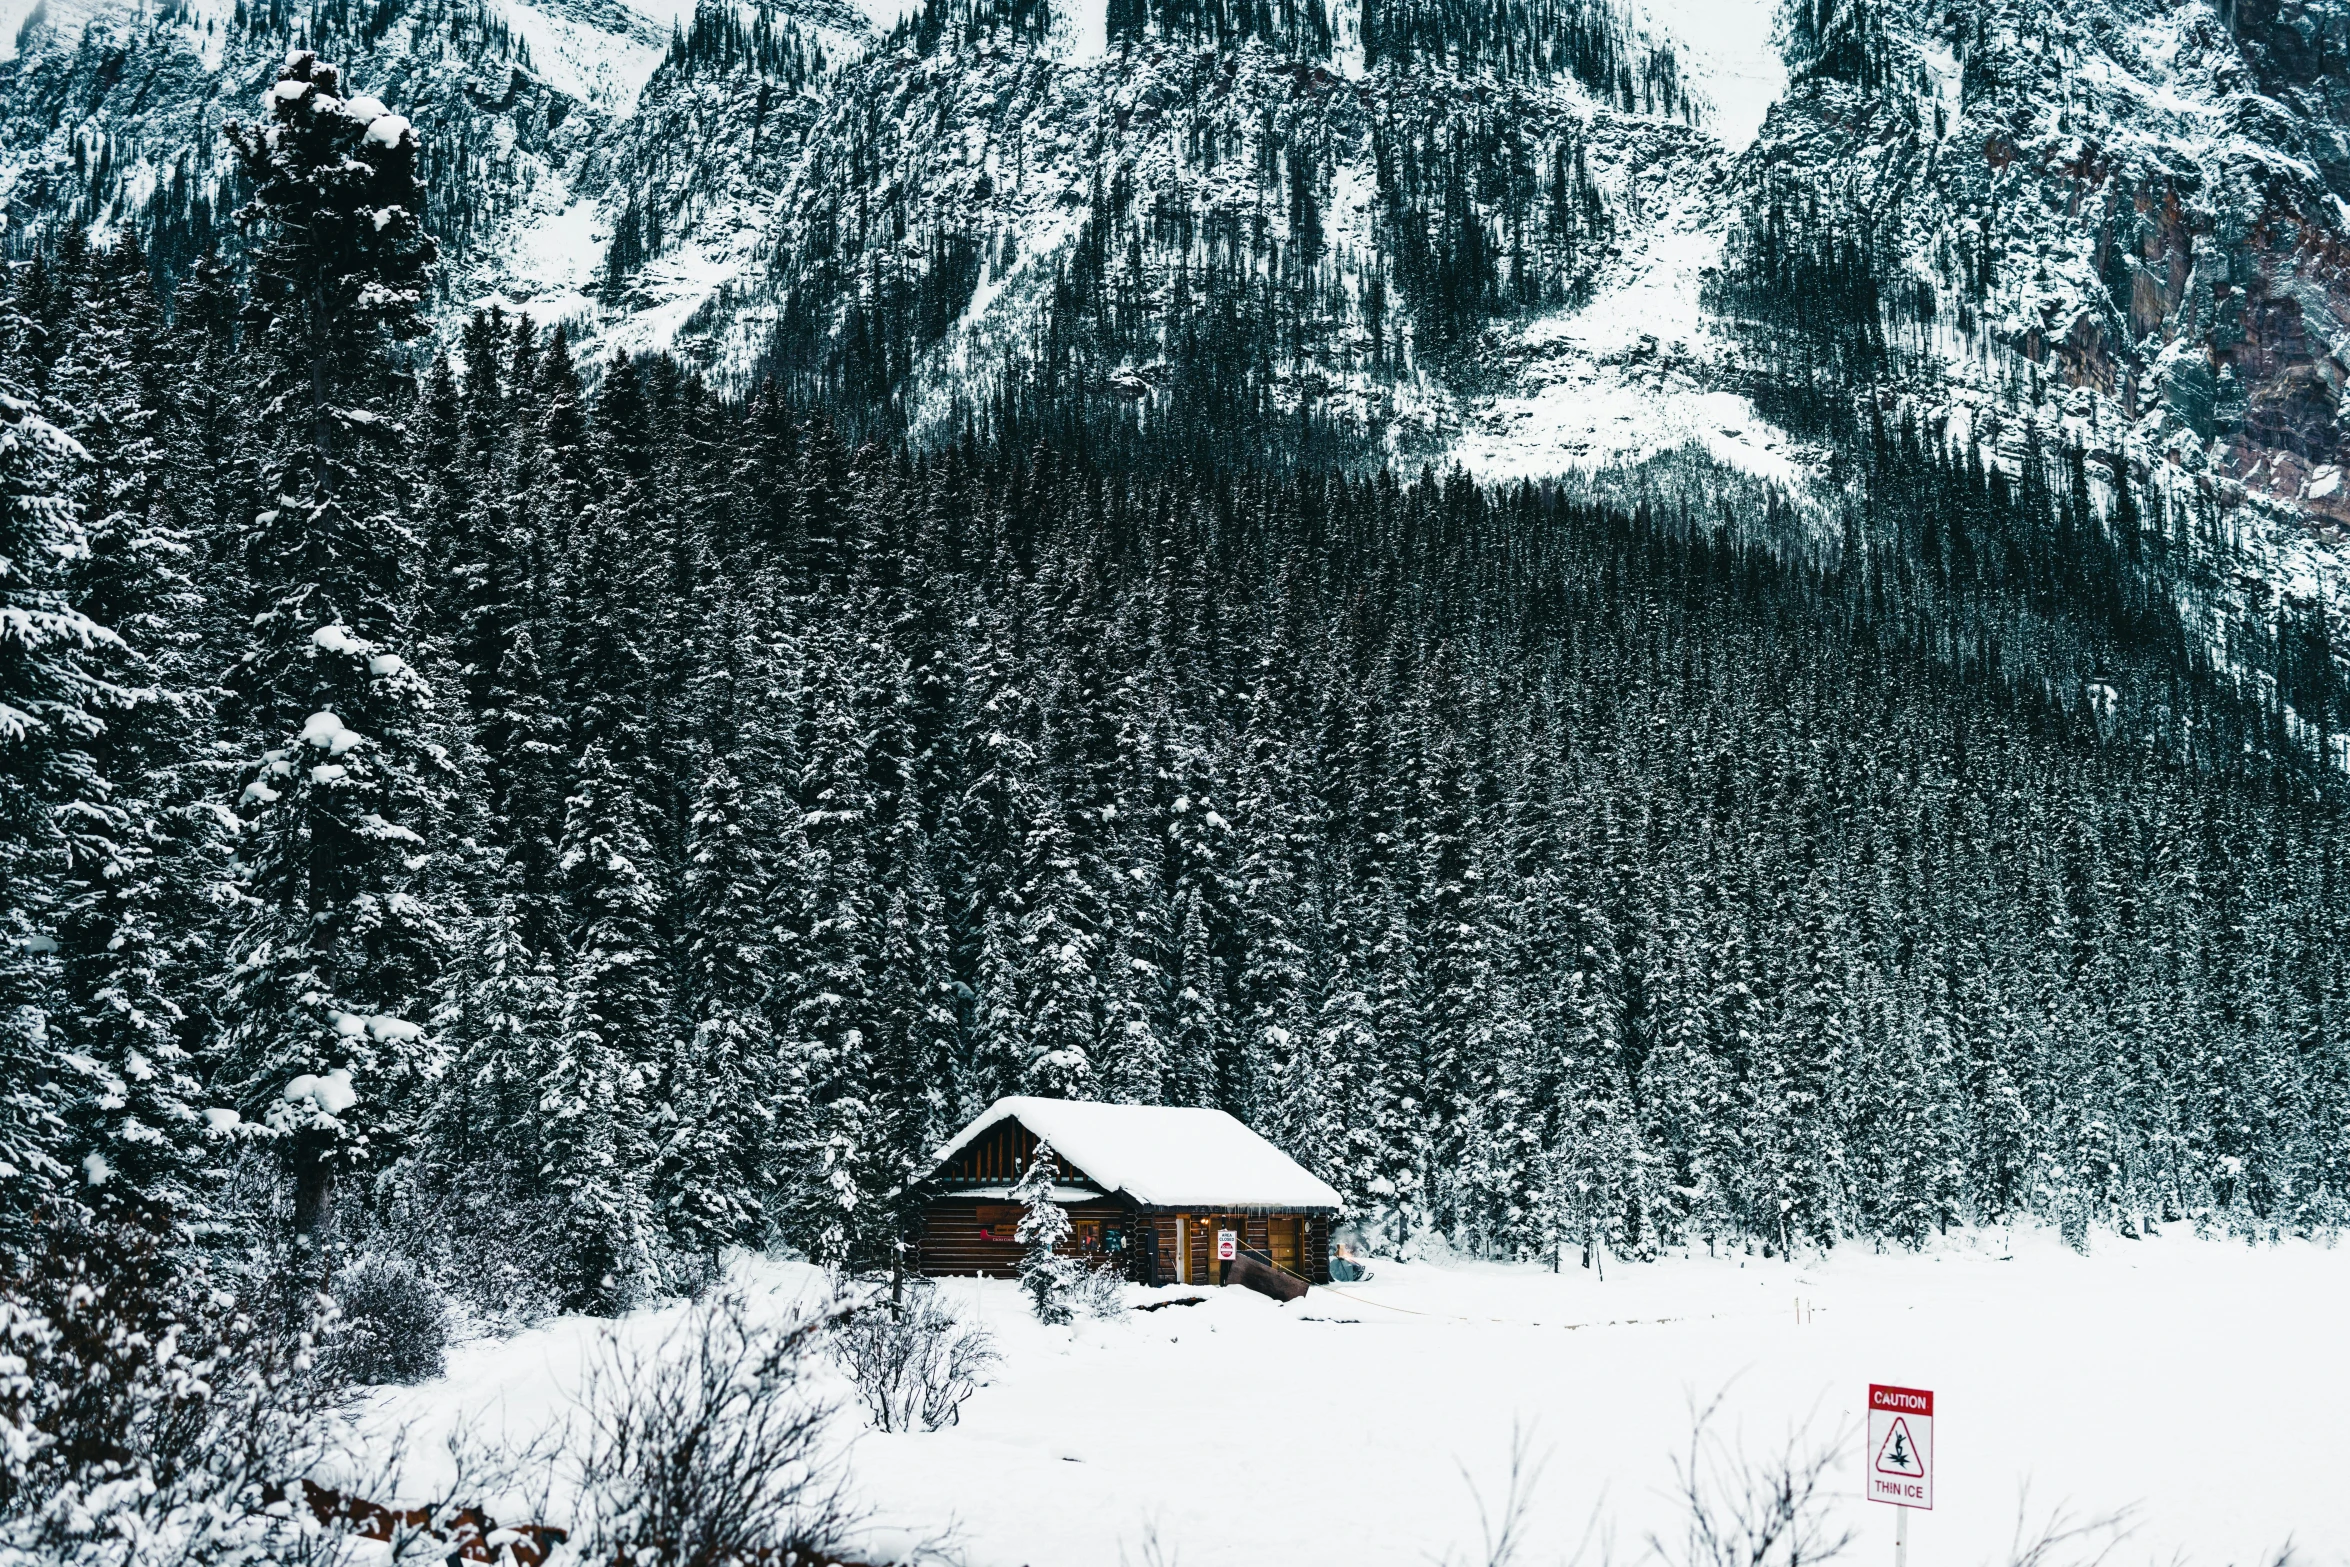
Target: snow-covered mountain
1559,234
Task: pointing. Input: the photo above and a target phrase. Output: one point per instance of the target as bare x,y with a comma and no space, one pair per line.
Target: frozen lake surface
2202,1384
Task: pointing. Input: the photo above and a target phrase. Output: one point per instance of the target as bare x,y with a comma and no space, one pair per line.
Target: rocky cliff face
2142,201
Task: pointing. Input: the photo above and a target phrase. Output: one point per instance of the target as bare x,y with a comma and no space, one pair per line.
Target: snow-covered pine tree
51,684
1809,1060
989,1062
1333,1121
1138,996
499,1021
147,854
1276,860
522,739
1401,1202
437,430
835,954
1273,988
1132,1058
1451,917
565,469
1047,1276
913,1057
616,1012
485,586
713,1124
1688,1089
689,484
606,529
1196,1036
1207,1057
761,502
980,855
340,940
211,490
1055,976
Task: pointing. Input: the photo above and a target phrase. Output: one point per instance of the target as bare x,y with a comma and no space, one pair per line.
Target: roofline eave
1127,1199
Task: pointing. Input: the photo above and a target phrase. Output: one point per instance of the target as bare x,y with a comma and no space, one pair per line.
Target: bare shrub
710,1448
1503,1526
1776,1509
488,1244
2063,1540
913,1364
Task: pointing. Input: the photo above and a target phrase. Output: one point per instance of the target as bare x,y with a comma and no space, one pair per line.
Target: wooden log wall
953,1246
952,1242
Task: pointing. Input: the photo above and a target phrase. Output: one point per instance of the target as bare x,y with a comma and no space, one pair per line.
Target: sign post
1900,1470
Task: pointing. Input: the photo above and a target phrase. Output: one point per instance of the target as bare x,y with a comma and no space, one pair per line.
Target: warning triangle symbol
1899,1455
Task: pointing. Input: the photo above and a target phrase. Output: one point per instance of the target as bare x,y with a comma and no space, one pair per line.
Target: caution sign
1901,1446
1899,1454
1227,1246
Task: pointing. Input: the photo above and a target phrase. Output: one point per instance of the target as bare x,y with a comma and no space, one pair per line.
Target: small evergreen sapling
1049,1278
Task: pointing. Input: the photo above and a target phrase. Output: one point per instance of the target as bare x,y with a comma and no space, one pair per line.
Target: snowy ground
2201,1382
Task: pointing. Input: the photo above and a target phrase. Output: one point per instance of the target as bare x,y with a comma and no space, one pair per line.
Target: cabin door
1281,1241
1200,1246
1182,1257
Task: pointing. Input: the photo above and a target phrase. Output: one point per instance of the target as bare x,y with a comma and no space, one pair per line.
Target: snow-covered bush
147,1407
1048,1277
710,1446
1099,1292
913,1362
393,1324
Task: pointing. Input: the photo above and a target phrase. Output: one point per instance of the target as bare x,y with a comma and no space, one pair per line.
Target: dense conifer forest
551,822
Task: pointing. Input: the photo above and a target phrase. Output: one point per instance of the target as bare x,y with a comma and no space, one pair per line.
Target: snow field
2201,1382
1726,52
1082,32
1628,376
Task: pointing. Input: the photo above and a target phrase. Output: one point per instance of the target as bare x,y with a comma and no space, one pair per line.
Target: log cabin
1151,1190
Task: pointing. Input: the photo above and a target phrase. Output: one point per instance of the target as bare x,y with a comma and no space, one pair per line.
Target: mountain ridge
1532,239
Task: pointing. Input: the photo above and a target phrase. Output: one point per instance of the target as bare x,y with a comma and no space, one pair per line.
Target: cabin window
1001,1225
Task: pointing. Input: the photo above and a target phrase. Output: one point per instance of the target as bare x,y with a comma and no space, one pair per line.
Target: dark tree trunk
314,1192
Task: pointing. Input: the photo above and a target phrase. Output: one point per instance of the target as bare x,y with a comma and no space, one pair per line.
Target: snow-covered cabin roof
1161,1156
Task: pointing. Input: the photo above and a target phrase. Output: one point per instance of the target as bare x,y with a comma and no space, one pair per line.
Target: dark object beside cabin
1265,1279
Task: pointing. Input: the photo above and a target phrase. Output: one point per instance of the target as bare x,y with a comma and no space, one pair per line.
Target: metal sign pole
1901,1537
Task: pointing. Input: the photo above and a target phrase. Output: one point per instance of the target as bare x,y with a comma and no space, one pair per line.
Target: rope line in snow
1517,1322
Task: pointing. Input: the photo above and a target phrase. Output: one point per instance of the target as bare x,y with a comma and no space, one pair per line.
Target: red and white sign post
1900,1469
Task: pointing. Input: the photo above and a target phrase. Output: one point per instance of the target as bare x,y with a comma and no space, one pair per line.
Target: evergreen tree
713,1118
52,688
340,939
593,1143
1046,1276
146,854
499,1021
